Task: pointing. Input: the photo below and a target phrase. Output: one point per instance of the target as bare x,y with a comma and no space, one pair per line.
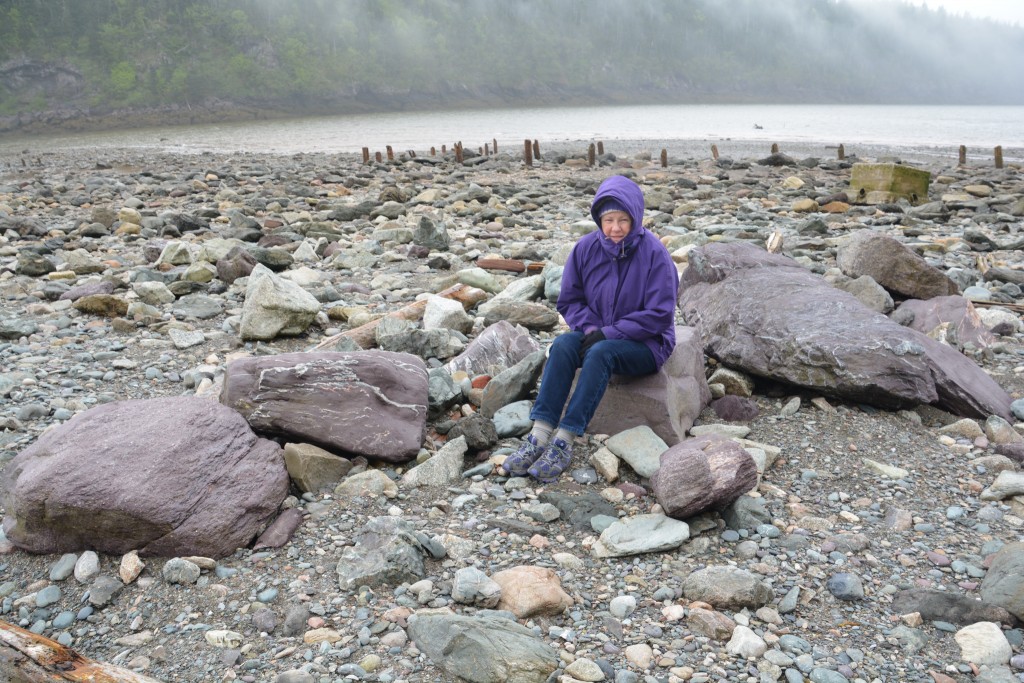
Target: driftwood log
366,335
28,658
511,265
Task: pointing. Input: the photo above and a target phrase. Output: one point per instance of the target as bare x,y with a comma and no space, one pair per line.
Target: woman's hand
590,339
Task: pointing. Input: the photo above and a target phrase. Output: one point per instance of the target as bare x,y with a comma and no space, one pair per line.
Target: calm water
925,129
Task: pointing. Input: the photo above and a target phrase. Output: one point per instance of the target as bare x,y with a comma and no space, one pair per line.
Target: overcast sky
1010,11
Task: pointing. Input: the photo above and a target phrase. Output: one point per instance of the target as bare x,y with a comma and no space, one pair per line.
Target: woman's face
616,225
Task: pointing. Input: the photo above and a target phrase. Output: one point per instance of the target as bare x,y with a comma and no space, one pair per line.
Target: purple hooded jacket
627,289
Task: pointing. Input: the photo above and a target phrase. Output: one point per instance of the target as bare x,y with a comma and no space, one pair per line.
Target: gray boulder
1004,583
444,313
512,384
443,392
894,266
275,306
531,315
370,403
471,586
641,534
727,587
868,292
33,264
764,314
483,649
442,469
435,343
478,431
431,235
386,552
498,347
165,476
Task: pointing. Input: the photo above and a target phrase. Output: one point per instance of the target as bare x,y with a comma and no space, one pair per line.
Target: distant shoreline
935,157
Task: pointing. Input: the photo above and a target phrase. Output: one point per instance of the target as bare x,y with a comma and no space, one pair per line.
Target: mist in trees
350,55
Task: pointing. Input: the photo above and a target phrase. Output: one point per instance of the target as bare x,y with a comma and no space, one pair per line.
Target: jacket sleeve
658,313
572,299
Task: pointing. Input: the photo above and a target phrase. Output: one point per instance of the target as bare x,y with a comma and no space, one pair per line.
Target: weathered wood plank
29,658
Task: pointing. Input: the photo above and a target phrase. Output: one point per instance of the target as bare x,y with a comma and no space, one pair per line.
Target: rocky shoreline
851,562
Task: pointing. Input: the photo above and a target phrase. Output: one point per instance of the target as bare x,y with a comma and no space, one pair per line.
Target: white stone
745,643
1006,485
87,567
889,471
983,643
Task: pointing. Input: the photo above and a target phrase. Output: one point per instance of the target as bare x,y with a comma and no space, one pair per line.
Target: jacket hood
629,194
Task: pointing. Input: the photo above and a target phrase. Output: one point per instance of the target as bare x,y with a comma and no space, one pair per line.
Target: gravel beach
868,514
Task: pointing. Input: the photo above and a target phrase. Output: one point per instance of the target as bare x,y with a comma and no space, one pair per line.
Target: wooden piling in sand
714,152
433,152
494,146
366,155
458,152
378,157
963,155
999,156
600,147
841,152
391,153
527,153
775,148
664,158
444,149
536,150
591,156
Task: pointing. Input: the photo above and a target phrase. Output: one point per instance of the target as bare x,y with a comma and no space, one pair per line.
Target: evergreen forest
339,56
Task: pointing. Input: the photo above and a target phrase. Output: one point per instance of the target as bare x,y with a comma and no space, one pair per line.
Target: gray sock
542,432
565,435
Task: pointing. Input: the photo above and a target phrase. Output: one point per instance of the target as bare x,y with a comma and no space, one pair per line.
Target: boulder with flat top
667,401
369,403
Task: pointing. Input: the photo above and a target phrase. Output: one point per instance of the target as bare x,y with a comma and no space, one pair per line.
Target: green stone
883,183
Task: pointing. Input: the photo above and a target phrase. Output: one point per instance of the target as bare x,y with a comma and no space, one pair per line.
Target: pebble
64,567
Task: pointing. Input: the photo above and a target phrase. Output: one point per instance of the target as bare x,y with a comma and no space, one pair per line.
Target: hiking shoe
552,462
519,462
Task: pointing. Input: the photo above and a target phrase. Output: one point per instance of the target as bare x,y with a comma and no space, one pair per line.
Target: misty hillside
79,57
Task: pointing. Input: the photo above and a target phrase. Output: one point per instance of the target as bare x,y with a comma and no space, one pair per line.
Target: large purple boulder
165,476
765,314
369,403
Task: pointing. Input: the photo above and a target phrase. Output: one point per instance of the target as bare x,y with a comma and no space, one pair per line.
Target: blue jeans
603,359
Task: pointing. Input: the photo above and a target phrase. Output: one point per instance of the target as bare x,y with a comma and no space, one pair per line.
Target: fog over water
97,63
926,130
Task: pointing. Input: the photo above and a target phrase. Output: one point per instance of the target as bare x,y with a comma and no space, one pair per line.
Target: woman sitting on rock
618,297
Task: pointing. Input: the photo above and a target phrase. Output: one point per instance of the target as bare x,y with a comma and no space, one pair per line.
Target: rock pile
186,341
